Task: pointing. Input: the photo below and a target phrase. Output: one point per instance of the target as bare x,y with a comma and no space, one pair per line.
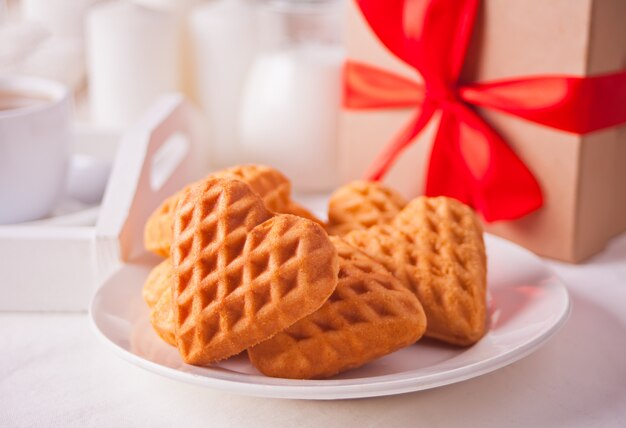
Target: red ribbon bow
469,160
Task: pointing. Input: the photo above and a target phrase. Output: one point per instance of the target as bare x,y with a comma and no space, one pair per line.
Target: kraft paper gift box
582,177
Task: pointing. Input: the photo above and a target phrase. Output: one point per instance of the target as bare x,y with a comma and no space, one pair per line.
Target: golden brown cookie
271,185
435,247
159,279
157,233
370,314
297,209
388,246
362,204
162,318
241,274
157,294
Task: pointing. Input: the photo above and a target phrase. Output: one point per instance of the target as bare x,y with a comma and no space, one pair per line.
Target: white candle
181,8
223,40
132,59
60,17
290,112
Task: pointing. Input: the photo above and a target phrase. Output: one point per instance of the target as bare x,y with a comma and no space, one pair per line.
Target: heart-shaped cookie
272,186
162,317
370,314
242,274
159,280
362,204
435,247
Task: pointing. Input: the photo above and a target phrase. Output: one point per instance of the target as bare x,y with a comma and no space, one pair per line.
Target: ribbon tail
446,170
572,104
387,157
472,163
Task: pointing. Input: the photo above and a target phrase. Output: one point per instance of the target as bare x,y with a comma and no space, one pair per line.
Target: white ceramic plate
528,305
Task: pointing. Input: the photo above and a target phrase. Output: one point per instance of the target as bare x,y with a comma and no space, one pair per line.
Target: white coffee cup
35,137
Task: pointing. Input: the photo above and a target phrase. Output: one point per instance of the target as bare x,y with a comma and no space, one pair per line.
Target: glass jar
291,98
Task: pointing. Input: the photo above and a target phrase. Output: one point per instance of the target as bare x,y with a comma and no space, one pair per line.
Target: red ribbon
469,160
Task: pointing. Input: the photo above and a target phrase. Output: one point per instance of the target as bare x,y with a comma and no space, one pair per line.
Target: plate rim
332,389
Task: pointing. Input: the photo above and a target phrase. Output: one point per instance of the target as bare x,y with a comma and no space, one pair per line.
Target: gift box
527,96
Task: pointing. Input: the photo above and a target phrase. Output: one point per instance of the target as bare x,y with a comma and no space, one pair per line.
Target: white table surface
55,372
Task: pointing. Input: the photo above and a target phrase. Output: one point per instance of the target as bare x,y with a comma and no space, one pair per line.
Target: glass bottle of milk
291,98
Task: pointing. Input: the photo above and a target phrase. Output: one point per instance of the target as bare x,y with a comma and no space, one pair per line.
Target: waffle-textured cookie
273,187
435,247
241,274
270,184
157,294
159,279
297,209
370,314
362,204
162,317
388,246
157,233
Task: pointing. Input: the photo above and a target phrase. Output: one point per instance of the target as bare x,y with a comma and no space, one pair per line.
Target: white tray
53,266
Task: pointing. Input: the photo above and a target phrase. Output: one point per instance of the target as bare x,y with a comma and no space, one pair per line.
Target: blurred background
264,73
328,92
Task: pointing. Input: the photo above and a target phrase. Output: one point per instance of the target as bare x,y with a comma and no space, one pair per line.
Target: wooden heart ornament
241,273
